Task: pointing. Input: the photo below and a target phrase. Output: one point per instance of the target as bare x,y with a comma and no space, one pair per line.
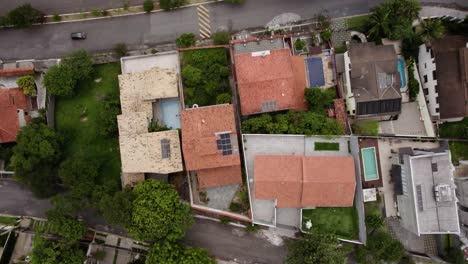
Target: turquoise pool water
170,109
401,69
370,164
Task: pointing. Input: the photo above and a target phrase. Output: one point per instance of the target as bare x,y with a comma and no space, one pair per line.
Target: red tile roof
219,176
10,101
270,78
16,71
340,112
299,181
199,134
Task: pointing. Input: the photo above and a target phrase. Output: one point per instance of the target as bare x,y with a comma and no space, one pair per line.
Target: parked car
78,35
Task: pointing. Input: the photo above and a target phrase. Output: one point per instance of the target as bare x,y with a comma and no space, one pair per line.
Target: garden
341,221
205,76
79,119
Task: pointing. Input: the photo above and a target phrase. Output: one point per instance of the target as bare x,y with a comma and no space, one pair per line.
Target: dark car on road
78,35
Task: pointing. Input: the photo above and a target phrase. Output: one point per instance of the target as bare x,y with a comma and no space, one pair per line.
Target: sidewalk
435,11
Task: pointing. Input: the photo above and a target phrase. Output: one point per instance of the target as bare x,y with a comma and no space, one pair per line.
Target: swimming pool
401,69
369,160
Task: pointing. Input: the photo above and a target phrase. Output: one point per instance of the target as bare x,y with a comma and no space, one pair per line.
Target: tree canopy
170,4
117,208
319,100
24,16
381,247
28,84
221,38
315,249
431,29
176,253
157,212
107,117
59,80
185,40
80,63
52,252
38,150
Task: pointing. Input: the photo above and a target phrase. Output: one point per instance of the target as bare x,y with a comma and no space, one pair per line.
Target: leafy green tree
28,85
379,23
410,46
176,253
79,174
170,4
186,40
117,208
107,117
62,222
257,124
431,29
319,100
221,38
413,84
192,76
326,35
38,150
383,247
80,63
59,80
51,252
148,6
223,98
317,248
24,16
157,212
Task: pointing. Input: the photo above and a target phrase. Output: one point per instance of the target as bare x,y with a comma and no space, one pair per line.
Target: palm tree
379,21
431,29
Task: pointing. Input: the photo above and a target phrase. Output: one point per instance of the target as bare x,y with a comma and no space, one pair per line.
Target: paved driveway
17,199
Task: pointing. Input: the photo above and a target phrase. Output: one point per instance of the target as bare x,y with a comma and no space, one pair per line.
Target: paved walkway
434,11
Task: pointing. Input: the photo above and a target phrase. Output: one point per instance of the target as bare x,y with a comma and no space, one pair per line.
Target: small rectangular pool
401,69
369,161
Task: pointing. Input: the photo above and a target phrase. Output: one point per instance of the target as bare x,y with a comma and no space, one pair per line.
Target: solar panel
165,148
224,144
419,197
269,106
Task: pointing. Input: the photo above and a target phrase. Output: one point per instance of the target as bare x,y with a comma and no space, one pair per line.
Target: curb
122,15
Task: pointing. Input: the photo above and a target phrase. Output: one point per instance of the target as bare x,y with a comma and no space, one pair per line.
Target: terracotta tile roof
299,181
300,80
16,71
340,112
269,78
200,132
219,176
10,101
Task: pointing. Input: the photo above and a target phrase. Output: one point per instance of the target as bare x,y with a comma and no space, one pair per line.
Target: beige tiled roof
132,123
132,179
142,152
138,90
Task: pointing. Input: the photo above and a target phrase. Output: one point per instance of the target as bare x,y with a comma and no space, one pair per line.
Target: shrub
59,80
24,16
148,6
299,44
104,12
4,21
154,51
96,12
252,228
235,207
170,4
28,85
120,50
234,1
326,35
186,40
126,5
221,38
224,220
56,17
366,127
413,84
224,98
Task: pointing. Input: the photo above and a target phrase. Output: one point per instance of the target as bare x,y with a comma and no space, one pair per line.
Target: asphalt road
230,243
52,41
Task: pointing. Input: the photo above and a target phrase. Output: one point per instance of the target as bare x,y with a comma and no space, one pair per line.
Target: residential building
425,191
444,77
143,152
372,81
461,181
210,146
15,112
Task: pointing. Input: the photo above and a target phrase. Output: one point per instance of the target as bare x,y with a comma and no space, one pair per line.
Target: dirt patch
98,80
84,119
179,180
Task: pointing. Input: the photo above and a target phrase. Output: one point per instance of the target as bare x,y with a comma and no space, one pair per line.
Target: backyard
205,77
455,129
77,119
342,221
328,146
458,151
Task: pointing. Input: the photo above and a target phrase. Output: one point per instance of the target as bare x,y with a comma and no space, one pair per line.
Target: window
434,167
436,88
419,197
165,148
269,106
426,91
437,110
425,66
224,144
425,78
437,99
434,75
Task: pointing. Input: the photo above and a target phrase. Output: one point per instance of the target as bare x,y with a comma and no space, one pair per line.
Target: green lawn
358,23
459,151
330,146
8,220
455,129
76,119
343,221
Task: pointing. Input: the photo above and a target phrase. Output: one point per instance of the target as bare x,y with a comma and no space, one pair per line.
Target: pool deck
368,143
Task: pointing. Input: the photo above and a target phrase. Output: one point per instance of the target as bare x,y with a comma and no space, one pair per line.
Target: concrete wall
426,67
424,108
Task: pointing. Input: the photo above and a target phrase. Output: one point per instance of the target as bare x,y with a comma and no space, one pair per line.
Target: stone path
340,32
